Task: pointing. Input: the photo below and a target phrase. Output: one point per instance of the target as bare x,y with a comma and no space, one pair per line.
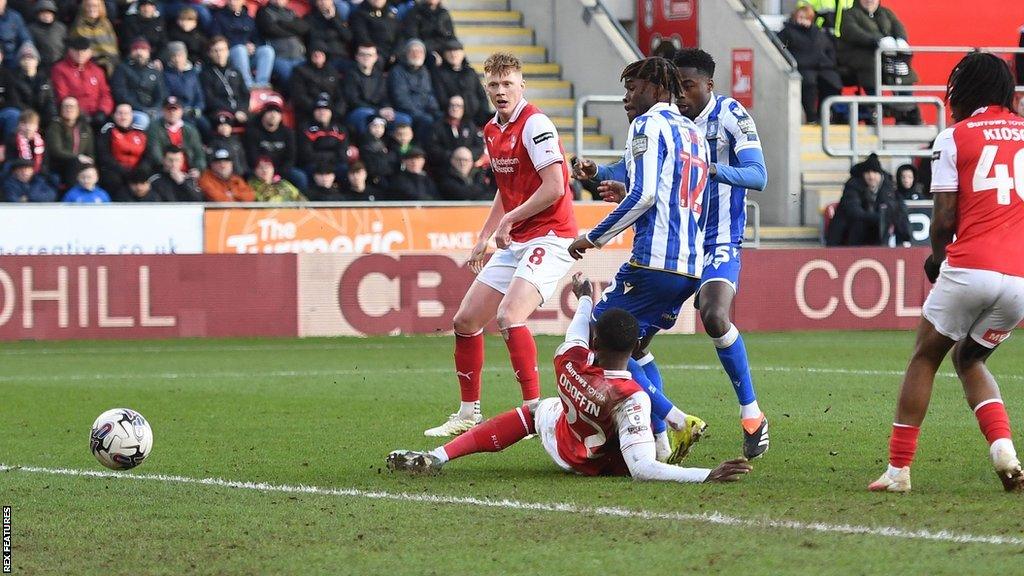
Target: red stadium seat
826,219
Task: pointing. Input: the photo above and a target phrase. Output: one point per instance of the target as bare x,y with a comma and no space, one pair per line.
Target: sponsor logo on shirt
540,138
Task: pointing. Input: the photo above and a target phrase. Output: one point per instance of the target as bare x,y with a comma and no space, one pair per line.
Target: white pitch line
705,517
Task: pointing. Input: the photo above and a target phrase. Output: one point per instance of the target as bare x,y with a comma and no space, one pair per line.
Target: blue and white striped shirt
666,175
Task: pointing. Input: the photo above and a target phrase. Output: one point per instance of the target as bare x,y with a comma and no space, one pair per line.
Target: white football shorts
983,304
545,417
542,262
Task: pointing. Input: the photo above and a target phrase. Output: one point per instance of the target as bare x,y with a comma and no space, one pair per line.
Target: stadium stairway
822,176
486,26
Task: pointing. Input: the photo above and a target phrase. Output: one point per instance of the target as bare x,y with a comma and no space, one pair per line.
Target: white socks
468,410
751,410
440,454
662,449
676,419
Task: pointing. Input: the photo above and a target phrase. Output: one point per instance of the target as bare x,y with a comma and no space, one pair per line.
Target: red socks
494,435
469,363
993,420
522,350
903,445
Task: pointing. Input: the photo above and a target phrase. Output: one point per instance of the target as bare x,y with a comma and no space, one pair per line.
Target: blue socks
733,355
660,405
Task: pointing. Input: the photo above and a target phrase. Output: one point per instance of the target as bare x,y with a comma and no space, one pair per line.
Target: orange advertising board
361,230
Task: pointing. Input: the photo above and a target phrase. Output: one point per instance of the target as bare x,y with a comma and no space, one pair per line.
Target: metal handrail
578,113
879,87
752,12
755,209
854,152
626,36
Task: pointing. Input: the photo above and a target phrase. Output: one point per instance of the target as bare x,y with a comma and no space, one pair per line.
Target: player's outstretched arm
578,333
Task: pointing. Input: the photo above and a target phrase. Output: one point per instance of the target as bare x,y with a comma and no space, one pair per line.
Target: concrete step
548,70
554,106
589,141
784,233
821,177
491,5
531,54
565,123
487,17
549,89
487,35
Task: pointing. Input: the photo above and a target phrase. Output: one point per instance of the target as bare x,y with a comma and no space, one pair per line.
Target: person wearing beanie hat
139,82
375,152
139,183
24,184
146,23
313,80
431,22
455,77
48,33
267,136
224,137
868,208
323,140
412,183
411,89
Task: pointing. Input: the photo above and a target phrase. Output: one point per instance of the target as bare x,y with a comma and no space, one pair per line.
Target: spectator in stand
76,75
907,186
26,143
176,182
410,88
328,26
452,132
869,201
400,141
121,148
865,27
815,57
430,22
224,137
269,187
220,183
33,85
87,191
373,22
185,29
314,81
323,141
455,77
182,80
412,182
324,186
284,31
366,91
268,137
830,13
172,130
48,33
140,187
223,86
93,25
24,185
69,141
357,186
139,82
13,33
375,153
462,181
247,47
145,23
10,105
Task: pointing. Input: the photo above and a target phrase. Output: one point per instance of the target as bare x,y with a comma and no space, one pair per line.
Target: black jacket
323,144
861,210
141,85
8,89
361,91
370,193
811,47
333,33
195,41
380,160
431,25
279,145
378,27
307,84
283,30
444,139
411,187
36,93
135,26
223,89
464,82
49,40
452,186
168,190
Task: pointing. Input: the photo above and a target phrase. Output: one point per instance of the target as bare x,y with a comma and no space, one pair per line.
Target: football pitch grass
312,420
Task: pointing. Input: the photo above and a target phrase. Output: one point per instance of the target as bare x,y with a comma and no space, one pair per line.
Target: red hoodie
88,84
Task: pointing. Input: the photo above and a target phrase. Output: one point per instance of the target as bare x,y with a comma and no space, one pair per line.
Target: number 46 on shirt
1001,181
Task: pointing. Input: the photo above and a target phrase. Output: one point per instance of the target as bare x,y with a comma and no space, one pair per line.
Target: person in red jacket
76,75
121,148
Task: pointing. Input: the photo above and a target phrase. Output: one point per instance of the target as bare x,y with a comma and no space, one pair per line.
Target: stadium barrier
232,295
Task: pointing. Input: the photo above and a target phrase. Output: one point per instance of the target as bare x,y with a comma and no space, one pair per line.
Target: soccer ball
121,439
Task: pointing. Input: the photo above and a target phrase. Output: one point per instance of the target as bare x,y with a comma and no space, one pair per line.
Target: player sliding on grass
666,172
532,222
599,424
978,298
736,165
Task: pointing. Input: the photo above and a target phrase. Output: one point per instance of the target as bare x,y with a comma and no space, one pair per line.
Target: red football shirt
519,149
592,432
982,159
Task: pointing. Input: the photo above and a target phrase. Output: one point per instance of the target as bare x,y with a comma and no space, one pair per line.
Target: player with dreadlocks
666,165
978,298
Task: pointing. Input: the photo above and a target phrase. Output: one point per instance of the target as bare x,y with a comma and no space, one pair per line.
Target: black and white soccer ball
121,439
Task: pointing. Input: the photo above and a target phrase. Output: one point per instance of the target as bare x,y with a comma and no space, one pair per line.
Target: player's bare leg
715,313
478,307
983,397
915,394
518,304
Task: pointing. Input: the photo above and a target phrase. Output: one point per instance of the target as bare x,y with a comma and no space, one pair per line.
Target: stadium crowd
238,100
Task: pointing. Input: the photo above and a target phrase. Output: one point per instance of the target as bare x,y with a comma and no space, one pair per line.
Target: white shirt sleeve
541,140
737,122
636,440
945,177
578,333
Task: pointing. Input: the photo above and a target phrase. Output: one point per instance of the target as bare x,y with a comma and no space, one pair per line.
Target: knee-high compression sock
522,351
469,363
733,355
493,435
